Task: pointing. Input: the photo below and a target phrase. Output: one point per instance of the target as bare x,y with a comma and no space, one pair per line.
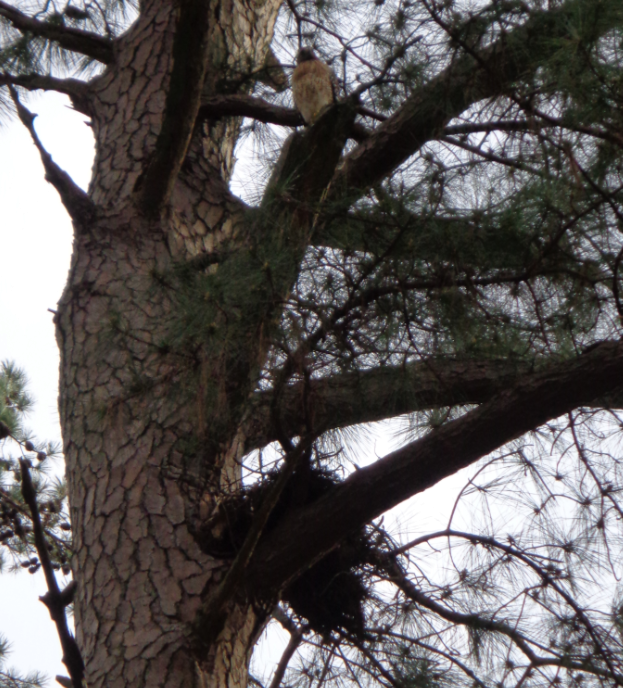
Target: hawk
312,85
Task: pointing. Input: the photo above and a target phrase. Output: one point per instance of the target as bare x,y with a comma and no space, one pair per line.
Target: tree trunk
134,435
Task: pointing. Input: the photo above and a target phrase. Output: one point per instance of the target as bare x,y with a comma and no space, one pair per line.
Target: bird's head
305,54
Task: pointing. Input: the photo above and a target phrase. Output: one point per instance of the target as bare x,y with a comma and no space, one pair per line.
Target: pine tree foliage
453,258
11,679
18,442
16,530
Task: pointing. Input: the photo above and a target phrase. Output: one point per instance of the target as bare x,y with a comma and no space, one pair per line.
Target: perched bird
313,85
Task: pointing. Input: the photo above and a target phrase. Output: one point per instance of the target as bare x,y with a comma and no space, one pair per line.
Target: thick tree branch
84,42
371,395
279,234
210,618
240,105
305,168
77,90
76,202
404,234
369,492
190,56
399,232
470,78
437,238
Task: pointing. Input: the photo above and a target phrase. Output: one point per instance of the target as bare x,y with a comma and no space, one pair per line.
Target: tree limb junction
367,493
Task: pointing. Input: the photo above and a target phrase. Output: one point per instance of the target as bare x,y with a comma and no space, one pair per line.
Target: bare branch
291,647
84,42
369,492
78,204
495,125
490,156
532,126
77,90
240,105
610,134
56,600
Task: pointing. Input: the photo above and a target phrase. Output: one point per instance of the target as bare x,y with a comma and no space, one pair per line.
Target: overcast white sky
35,247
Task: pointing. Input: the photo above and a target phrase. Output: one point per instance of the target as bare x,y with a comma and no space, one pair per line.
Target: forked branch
481,622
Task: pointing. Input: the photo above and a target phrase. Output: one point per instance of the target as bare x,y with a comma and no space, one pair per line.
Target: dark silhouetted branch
483,623
77,90
56,600
78,204
388,563
239,105
210,619
291,647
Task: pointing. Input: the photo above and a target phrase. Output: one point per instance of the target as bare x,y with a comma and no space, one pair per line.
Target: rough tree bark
142,575
153,435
